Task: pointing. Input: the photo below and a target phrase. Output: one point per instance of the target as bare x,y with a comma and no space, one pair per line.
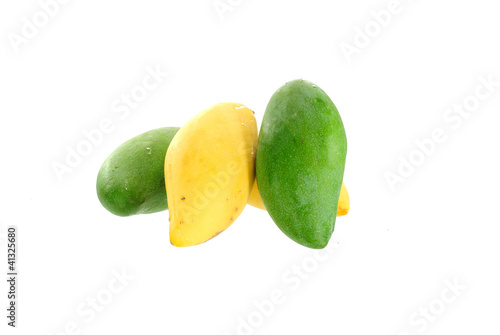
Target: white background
393,253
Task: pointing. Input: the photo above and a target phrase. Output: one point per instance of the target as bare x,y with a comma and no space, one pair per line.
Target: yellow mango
344,202
342,209
255,200
209,172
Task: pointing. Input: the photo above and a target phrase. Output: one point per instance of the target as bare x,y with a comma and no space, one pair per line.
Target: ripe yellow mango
343,207
255,200
344,202
209,172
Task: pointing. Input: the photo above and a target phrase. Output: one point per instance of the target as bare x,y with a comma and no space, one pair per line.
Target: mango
344,202
255,200
301,156
131,180
209,172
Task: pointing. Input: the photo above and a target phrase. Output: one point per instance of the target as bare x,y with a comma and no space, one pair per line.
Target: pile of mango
207,171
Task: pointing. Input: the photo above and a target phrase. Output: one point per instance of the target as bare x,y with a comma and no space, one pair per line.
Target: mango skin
344,202
255,200
131,180
209,171
300,162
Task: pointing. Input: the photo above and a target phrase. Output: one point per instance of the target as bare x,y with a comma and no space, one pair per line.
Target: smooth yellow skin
344,202
342,209
255,200
209,172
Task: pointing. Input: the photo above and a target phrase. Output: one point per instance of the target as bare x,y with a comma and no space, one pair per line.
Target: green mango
301,156
131,180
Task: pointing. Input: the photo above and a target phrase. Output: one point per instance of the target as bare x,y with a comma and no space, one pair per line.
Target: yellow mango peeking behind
344,202
209,172
255,200
343,207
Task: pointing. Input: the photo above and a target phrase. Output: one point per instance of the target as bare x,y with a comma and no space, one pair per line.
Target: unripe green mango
301,156
131,180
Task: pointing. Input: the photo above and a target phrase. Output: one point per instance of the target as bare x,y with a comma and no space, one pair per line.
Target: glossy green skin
131,180
300,162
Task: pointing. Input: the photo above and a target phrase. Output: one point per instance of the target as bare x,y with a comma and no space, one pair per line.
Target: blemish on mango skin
236,209
183,198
